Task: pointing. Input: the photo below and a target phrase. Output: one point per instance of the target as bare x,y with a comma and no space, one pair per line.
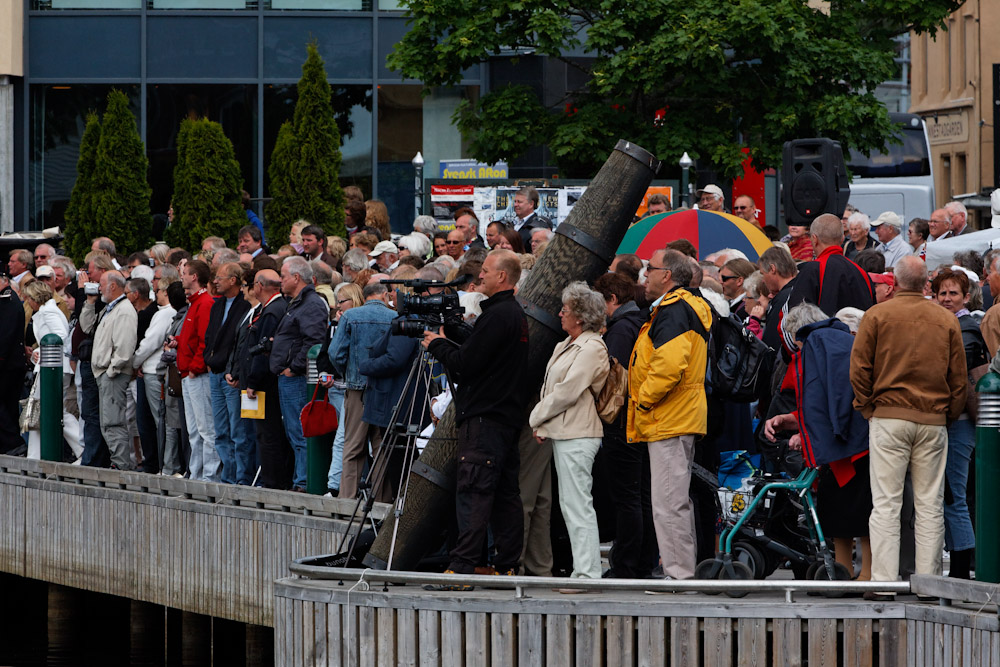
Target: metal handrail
302,569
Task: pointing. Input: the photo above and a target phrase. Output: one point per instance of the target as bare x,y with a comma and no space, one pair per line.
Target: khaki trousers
355,444
898,445
673,519
535,484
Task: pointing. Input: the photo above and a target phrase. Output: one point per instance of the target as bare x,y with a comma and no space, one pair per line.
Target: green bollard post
987,474
319,450
51,396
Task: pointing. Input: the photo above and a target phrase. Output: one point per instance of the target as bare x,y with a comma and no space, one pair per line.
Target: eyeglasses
41,256
741,208
725,278
656,268
343,301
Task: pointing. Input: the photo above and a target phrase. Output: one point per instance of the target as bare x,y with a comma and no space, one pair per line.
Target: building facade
233,61
952,87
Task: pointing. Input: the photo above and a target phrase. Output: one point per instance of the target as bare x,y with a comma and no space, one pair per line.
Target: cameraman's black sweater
489,368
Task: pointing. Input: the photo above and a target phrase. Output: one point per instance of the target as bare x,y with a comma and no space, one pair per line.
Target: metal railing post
319,449
987,474
51,396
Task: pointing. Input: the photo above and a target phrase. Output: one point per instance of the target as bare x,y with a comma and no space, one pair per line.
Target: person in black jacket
274,453
303,326
488,370
831,281
230,435
12,364
634,553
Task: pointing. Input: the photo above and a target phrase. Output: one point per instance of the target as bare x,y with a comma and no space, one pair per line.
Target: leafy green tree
701,76
80,213
207,184
121,189
306,159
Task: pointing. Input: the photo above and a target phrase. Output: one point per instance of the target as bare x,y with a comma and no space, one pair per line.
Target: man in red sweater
204,462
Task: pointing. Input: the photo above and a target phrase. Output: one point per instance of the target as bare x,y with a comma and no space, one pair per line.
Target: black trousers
487,494
274,452
11,384
635,552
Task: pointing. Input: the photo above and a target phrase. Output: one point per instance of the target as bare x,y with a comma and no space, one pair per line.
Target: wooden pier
212,549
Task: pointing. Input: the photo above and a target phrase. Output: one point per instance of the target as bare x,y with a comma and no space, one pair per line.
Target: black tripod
393,458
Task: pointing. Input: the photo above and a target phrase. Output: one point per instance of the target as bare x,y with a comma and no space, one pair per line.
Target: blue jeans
958,532
229,432
95,451
335,396
204,461
292,393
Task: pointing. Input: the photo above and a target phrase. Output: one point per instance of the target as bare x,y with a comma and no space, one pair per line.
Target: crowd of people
166,354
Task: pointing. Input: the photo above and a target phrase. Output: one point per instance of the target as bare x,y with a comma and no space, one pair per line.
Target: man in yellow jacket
667,407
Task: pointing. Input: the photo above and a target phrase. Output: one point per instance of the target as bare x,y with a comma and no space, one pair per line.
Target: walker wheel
737,572
709,569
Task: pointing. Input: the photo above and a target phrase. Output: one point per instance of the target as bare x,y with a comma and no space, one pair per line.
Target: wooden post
581,249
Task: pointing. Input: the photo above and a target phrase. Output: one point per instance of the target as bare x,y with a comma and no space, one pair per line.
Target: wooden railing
214,549
349,617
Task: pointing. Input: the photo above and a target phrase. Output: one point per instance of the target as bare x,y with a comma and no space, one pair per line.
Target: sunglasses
455,242
741,208
725,278
41,256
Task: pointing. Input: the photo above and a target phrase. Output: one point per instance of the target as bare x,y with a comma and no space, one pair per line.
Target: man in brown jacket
908,408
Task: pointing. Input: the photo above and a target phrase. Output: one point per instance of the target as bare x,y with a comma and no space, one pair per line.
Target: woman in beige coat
567,414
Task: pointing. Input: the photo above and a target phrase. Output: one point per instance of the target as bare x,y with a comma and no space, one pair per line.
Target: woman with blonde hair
295,235
48,319
566,414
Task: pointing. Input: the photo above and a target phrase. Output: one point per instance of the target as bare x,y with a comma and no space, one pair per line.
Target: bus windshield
910,158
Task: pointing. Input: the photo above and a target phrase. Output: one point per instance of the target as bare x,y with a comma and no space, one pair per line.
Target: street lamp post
418,183
685,164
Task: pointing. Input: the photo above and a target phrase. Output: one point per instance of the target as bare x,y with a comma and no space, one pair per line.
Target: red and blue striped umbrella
707,230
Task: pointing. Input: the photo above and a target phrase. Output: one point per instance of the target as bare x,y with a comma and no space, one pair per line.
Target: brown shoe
872,596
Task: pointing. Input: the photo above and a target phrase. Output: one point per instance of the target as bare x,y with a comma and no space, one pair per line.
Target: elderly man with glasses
745,207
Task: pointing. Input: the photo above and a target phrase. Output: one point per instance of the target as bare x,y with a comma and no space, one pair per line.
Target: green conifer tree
207,184
310,187
80,211
122,192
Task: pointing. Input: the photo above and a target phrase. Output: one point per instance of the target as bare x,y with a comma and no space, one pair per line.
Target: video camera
420,311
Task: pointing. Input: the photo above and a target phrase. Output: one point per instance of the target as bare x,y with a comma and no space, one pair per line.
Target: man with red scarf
831,281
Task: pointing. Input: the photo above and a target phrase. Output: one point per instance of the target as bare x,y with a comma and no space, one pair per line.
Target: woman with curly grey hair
567,414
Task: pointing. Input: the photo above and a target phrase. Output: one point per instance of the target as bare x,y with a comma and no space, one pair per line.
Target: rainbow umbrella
707,230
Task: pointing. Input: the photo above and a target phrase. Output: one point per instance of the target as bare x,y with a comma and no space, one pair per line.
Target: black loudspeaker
814,180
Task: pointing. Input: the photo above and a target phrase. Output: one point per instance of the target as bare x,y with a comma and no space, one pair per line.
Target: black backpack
739,364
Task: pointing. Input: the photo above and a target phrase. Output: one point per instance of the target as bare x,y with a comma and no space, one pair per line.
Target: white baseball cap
384,246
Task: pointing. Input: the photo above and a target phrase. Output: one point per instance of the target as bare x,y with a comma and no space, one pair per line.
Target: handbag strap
315,390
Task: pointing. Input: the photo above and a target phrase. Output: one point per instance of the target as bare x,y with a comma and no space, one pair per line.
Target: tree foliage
80,214
207,185
305,163
121,189
701,76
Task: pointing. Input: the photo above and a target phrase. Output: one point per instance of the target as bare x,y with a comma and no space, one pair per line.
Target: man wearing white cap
386,255
710,198
888,227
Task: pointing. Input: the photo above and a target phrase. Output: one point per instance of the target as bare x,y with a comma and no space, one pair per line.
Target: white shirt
150,349
894,250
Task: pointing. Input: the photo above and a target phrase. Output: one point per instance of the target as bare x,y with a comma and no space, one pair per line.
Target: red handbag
318,417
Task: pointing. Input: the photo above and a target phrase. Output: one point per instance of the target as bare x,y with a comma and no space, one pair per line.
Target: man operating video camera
488,371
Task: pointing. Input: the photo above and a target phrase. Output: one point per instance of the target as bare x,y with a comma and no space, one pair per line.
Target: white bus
899,178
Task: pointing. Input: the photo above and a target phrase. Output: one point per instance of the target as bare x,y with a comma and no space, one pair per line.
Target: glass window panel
233,106
342,5
408,123
345,43
353,111
201,47
199,4
67,46
391,5
391,30
57,118
96,4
